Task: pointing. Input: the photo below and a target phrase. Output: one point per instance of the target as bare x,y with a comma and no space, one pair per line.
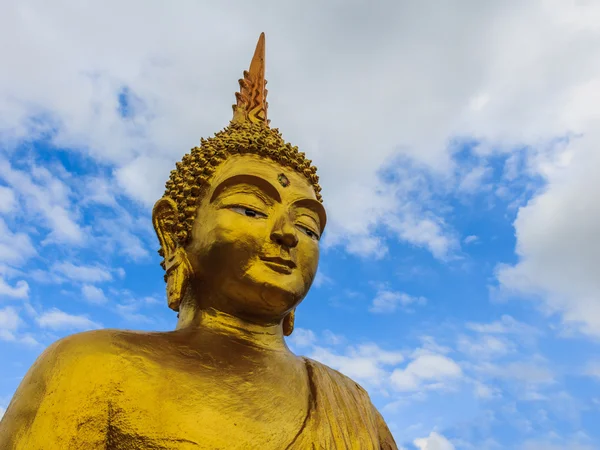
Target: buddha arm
386,440
55,405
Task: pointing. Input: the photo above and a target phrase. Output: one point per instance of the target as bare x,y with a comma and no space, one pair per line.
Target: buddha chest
152,407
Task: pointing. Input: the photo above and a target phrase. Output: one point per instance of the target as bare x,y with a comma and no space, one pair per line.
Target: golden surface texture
241,247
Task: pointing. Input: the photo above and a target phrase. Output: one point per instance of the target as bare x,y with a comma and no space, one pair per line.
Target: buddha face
255,241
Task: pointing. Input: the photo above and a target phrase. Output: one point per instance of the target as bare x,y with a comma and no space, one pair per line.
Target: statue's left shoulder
339,378
325,379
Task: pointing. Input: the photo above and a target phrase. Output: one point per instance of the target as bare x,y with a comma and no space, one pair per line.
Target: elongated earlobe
176,263
179,272
288,323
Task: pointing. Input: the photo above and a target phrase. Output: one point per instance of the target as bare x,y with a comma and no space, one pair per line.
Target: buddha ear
288,322
176,263
164,216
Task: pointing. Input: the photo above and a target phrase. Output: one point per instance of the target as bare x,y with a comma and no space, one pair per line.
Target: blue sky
458,281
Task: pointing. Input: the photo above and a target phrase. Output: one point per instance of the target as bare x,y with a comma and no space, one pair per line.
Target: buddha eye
248,212
310,233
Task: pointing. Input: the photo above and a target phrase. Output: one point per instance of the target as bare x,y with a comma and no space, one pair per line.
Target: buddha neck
266,337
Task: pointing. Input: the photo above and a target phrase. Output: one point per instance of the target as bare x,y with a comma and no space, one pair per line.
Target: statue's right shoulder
62,401
92,340
90,348
95,345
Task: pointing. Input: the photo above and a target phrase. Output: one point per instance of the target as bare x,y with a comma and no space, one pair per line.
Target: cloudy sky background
457,145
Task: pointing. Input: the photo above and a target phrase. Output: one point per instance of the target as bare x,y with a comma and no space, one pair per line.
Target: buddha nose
284,233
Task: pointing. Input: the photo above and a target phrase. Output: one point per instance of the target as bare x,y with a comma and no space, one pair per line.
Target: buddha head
241,218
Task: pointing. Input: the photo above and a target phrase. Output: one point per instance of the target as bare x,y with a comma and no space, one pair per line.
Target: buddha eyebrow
260,183
314,206
245,190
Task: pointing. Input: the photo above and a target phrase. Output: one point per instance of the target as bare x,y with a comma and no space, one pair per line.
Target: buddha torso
152,390
111,389
194,400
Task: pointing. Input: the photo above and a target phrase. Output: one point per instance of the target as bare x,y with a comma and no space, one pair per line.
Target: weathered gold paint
224,378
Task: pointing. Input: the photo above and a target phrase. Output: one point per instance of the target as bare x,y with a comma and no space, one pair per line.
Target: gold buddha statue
239,228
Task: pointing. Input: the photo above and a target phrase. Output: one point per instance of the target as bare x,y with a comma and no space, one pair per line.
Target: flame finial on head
247,133
252,99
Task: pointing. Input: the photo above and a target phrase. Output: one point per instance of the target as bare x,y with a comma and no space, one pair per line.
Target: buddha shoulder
90,354
79,364
63,397
320,371
334,391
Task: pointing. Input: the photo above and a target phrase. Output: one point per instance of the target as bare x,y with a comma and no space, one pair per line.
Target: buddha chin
263,288
271,289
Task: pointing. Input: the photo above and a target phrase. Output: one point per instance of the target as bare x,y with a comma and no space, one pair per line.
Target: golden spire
252,99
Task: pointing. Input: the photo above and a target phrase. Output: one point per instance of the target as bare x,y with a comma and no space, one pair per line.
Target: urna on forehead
282,183
286,180
247,134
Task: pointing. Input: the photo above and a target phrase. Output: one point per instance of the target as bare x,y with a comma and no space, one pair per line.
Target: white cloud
470,239
593,369
434,441
366,363
56,319
557,244
385,357
130,311
7,199
387,301
478,102
132,307
423,230
93,294
331,338
426,372
82,273
506,325
321,279
29,340
485,346
532,373
19,290
123,235
134,177
485,391
429,345
302,338
49,197
98,190
471,181
9,323
15,248
556,443
151,301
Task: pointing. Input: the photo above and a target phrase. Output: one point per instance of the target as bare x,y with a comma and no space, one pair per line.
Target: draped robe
340,414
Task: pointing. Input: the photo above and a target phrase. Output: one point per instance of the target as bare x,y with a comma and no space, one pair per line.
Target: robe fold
341,415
